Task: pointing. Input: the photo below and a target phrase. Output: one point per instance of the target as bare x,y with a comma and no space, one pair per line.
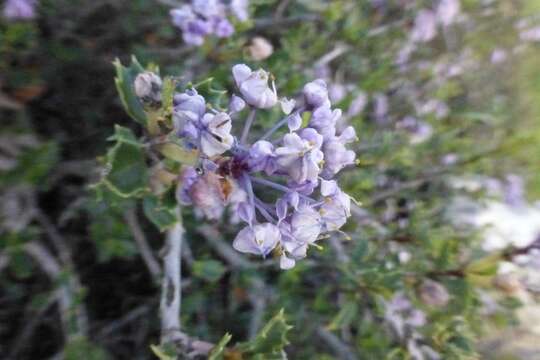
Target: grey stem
274,128
171,297
247,125
170,290
130,216
341,349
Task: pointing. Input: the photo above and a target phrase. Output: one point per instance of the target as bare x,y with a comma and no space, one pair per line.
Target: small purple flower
337,205
239,8
20,9
259,239
205,17
223,28
306,225
324,120
425,26
208,8
381,108
498,56
336,155
294,247
357,105
287,105
514,192
262,157
316,94
300,156
189,107
188,177
236,104
253,86
215,137
206,194
286,263
447,11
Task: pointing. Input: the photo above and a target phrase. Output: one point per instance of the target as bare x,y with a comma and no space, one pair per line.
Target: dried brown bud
260,48
147,87
434,294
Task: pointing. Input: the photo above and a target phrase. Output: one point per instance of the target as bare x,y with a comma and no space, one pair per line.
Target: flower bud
508,283
316,93
237,104
147,87
260,48
434,294
254,87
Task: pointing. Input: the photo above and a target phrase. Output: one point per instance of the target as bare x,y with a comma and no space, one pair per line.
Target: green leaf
179,154
160,215
124,135
82,348
127,172
33,165
167,93
269,342
344,317
485,266
218,350
125,76
162,353
209,270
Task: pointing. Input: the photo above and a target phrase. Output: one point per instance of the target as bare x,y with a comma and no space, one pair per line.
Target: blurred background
443,260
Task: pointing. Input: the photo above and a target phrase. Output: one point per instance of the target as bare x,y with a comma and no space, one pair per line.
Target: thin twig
336,244
213,236
283,23
258,297
4,261
64,253
130,216
124,320
334,342
32,322
171,3
338,50
66,293
280,9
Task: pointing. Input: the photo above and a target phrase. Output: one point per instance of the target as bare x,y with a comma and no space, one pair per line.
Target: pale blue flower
300,156
215,134
20,9
259,239
254,87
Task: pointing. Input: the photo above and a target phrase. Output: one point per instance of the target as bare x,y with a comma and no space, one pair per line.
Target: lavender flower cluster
20,9
201,18
299,166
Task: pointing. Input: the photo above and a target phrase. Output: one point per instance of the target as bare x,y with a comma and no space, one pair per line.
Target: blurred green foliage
57,70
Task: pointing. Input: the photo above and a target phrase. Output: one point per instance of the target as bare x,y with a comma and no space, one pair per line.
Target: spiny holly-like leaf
125,76
269,342
218,351
125,135
158,213
127,174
